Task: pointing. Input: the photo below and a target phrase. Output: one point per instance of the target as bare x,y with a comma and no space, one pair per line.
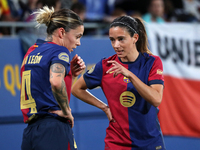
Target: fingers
60,113
77,61
77,68
112,120
81,63
111,69
71,121
115,66
108,113
72,125
77,65
111,61
115,69
74,59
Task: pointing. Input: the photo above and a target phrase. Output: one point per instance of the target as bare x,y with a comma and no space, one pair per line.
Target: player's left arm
152,93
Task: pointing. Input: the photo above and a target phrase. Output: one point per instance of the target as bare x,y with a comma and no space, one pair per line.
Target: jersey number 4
26,85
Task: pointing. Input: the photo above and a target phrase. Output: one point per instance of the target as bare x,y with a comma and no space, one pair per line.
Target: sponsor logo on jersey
158,147
64,56
127,99
126,79
160,72
91,70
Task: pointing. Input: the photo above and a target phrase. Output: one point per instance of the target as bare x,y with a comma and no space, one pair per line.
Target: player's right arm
79,90
57,74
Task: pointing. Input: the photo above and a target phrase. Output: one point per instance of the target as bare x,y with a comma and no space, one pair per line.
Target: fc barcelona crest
126,80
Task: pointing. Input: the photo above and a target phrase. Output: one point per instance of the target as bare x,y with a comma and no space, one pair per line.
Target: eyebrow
117,37
121,36
80,35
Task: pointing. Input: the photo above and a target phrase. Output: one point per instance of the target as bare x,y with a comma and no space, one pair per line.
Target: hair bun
43,16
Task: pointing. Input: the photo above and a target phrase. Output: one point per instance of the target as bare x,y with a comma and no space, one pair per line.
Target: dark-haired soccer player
132,81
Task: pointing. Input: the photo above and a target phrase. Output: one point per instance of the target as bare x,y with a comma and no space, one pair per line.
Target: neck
49,38
56,39
131,57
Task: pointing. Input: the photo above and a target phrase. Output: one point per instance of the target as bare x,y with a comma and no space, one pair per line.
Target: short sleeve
156,72
93,76
61,56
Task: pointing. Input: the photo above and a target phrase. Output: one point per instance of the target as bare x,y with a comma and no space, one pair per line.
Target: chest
120,81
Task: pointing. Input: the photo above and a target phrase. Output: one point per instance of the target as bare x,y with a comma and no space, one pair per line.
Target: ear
135,38
61,32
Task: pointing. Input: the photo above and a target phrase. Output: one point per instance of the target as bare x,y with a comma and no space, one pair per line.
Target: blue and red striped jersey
136,123
36,93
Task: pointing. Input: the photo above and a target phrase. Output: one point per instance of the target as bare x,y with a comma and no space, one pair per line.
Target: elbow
157,102
79,87
56,84
74,91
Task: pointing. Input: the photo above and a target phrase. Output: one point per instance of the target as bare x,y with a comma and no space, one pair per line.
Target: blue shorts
48,133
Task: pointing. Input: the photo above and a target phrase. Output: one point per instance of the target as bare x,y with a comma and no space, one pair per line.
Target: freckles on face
72,38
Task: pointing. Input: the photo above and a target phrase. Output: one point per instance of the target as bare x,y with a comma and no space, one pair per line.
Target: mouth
73,49
119,52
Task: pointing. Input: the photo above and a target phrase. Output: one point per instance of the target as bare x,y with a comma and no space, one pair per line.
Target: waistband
38,119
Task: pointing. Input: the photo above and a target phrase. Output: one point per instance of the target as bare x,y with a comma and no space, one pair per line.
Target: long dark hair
134,26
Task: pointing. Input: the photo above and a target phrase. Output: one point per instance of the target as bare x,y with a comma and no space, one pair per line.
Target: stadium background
177,44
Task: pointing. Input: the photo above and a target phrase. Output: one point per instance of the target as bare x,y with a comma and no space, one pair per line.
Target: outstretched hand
118,69
77,65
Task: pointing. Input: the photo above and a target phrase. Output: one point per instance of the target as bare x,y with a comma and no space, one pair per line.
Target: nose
78,43
116,44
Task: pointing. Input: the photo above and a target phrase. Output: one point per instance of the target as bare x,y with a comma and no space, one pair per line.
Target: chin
120,55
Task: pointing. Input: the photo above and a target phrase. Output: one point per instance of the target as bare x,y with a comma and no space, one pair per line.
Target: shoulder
151,56
157,58
58,50
50,46
151,59
156,63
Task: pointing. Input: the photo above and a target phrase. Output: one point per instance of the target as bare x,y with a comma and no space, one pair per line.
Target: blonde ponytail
63,18
43,16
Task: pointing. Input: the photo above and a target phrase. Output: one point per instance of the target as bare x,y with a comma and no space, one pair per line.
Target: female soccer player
46,77
132,82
